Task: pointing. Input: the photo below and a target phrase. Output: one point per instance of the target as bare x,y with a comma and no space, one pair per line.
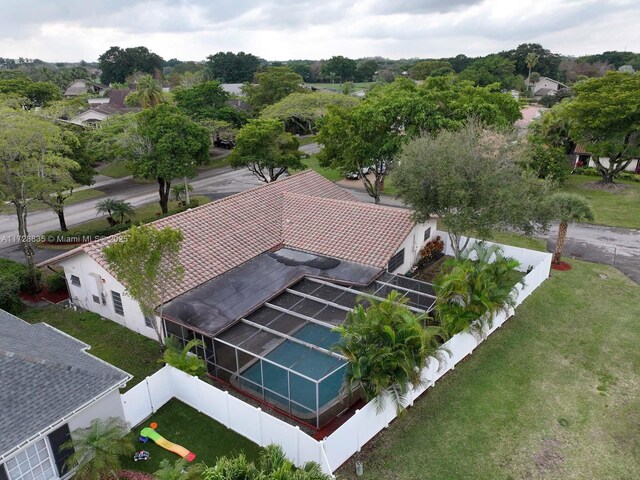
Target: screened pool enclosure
283,352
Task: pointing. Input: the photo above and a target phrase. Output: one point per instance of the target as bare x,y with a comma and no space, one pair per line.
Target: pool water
299,358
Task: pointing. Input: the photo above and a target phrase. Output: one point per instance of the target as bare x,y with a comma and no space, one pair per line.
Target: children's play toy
151,434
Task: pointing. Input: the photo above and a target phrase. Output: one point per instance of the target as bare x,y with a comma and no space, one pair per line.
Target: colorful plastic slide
151,434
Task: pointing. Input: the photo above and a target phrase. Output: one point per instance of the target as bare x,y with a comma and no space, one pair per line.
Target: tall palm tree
98,449
387,347
115,209
568,207
532,61
149,92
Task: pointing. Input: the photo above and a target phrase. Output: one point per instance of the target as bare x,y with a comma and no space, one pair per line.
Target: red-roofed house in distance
269,273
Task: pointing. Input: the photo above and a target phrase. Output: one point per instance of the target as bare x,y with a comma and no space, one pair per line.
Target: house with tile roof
245,255
49,386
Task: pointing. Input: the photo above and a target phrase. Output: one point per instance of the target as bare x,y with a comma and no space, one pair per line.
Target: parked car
358,173
224,143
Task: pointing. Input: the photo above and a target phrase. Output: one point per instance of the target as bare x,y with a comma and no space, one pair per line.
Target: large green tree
471,179
34,156
147,261
116,64
339,68
201,101
229,67
604,117
426,68
300,112
547,63
266,150
30,93
366,70
493,69
271,86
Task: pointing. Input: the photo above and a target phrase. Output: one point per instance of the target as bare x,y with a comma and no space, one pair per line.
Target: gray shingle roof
44,376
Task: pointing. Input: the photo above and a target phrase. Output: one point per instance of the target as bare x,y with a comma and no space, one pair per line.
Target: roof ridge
351,202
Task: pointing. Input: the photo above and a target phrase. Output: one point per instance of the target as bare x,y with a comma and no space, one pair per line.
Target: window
396,261
33,463
75,280
150,321
96,298
117,303
427,234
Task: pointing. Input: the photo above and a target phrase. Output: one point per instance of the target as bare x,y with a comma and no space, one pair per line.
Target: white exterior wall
95,280
413,243
605,163
108,406
545,82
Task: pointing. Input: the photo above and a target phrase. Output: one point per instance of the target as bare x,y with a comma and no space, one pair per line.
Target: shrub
180,358
432,248
10,269
56,283
9,289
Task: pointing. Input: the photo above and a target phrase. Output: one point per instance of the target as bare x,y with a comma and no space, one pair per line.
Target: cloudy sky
71,30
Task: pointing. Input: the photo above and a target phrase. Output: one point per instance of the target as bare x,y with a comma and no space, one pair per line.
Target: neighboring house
546,86
287,259
103,108
49,386
82,87
239,105
580,157
233,88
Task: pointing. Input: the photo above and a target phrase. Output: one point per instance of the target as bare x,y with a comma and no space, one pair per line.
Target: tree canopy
493,69
300,112
266,150
27,92
427,68
339,68
272,85
471,179
118,63
229,67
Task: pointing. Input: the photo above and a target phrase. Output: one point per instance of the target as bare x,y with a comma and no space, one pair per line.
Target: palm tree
98,448
178,356
148,92
532,61
178,470
386,347
115,208
568,207
181,190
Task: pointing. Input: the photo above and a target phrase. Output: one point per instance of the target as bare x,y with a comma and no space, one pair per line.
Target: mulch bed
134,475
605,187
44,295
561,266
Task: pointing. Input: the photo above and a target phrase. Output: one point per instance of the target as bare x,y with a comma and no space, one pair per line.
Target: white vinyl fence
147,397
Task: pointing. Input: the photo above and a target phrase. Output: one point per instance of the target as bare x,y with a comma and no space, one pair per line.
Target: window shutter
56,439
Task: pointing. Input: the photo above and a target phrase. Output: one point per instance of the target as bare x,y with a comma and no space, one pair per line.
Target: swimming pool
282,385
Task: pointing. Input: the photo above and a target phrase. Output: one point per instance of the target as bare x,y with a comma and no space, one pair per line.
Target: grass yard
143,214
82,195
130,351
553,394
198,433
328,173
620,209
116,170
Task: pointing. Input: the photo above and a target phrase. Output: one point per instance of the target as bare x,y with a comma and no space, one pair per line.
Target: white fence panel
136,404
161,388
244,419
214,403
274,430
310,450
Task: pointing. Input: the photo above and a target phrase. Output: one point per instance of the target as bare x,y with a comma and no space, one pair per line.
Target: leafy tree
179,357
544,158
202,101
567,208
427,68
366,70
469,292
339,67
386,347
97,449
148,93
33,94
472,180
271,86
266,150
553,128
604,117
492,69
33,157
230,67
147,262
615,58
301,112
116,64
118,211
548,62
302,68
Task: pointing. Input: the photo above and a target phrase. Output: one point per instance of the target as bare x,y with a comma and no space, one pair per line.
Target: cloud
68,30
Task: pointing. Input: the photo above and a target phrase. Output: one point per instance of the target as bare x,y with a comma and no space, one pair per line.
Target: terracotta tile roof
304,211
580,150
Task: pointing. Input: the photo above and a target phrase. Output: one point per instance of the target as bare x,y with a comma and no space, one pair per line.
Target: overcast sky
71,30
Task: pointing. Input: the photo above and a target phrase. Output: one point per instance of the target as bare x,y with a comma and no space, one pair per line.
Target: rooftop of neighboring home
83,86
45,375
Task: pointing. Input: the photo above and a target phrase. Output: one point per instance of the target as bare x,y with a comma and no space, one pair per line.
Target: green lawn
143,214
196,432
553,394
328,173
116,170
130,351
80,196
614,209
